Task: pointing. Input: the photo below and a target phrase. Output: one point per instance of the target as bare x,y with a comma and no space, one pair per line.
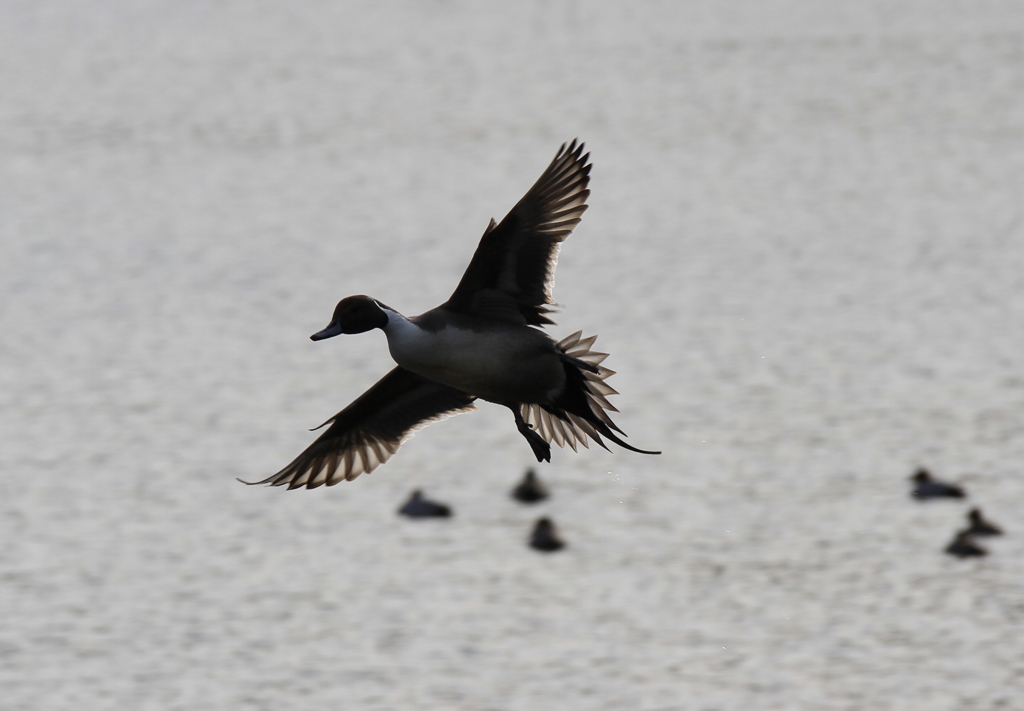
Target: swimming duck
980,526
928,487
418,506
963,546
544,536
531,489
480,344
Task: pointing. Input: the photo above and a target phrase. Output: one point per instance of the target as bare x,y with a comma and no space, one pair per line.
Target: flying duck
928,487
480,344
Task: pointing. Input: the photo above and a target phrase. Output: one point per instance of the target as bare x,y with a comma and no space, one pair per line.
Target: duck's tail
581,411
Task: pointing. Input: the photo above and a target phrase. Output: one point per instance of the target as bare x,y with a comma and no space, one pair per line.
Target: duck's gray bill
332,330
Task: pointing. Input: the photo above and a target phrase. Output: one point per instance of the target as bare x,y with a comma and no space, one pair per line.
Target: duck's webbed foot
541,449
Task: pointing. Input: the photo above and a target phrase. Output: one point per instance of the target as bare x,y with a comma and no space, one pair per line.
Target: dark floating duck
544,536
964,546
419,506
480,344
530,490
927,487
979,526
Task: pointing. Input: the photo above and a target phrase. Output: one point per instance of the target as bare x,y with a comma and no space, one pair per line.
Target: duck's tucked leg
541,449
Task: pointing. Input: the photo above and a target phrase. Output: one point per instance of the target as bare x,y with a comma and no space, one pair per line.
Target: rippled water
804,254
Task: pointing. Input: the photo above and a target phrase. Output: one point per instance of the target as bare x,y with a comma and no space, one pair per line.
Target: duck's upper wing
512,272
366,433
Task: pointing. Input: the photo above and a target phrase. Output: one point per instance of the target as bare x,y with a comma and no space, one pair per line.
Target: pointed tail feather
588,418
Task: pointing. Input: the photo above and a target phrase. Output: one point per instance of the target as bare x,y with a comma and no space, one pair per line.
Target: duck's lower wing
366,433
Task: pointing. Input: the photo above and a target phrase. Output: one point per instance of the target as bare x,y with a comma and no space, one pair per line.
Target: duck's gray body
494,360
481,343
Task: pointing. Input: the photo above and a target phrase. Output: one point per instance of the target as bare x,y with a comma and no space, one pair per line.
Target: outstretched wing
366,433
512,272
